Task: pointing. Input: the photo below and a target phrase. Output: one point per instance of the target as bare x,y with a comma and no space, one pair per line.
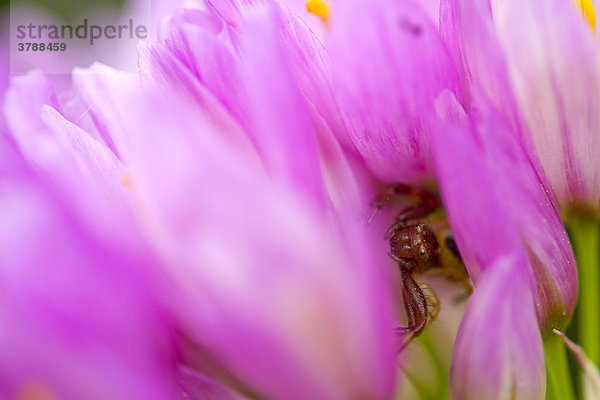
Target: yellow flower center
587,10
319,8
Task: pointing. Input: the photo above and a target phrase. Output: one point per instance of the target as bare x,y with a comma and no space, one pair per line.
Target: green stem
442,370
560,385
585,233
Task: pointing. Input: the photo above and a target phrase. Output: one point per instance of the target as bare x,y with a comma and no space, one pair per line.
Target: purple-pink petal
80,318
508,207
538,63
278,290
558,90
199,41
530,204
472,201
498,352
515,249
389,64
279,121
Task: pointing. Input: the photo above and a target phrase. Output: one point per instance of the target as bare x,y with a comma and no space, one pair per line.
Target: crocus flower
239,161
543,263
273,286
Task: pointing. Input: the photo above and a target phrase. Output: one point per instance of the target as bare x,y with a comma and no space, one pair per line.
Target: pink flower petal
541,57
591,375
498,353
389,64
288,304
280,123
557,89
79,316
513,203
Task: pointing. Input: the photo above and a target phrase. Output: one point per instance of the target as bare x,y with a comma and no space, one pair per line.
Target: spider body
416,249
414,246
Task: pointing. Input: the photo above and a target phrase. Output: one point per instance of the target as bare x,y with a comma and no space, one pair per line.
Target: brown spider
415,248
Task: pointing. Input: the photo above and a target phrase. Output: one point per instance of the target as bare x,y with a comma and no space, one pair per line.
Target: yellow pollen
587,10
318,8
126,180
35,390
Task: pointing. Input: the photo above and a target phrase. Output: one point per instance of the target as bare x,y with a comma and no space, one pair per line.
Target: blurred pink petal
79,316
300,296
61,151
279,119
199,387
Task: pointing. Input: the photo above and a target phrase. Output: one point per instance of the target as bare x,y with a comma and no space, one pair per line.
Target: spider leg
380,201
433,303
404,337
427,202
415,306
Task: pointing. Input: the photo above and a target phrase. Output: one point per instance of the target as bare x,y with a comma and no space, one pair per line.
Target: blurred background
119,53
67,11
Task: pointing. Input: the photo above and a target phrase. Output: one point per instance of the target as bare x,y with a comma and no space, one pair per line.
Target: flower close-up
299,199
